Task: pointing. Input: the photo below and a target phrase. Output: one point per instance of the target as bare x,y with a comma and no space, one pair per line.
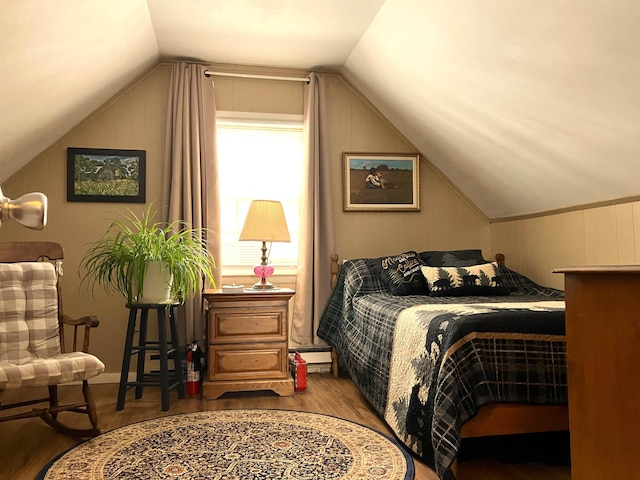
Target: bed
447,345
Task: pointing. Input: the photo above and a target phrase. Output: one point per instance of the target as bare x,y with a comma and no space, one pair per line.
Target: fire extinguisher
193,371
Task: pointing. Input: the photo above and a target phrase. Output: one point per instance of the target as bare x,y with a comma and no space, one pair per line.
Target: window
259,158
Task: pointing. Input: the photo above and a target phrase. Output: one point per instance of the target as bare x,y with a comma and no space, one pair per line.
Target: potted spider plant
148,261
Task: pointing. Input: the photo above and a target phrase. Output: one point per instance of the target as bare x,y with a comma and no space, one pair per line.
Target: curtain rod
210,73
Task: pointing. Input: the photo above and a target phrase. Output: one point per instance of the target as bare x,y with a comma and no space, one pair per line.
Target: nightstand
247,342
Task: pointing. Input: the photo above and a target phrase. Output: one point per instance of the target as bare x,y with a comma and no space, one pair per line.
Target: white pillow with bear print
475,280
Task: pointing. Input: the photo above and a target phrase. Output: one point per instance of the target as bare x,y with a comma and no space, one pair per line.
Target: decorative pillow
463,281
453,258
400,273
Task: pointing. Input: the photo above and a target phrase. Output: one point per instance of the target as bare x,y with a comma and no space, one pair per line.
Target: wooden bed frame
492,418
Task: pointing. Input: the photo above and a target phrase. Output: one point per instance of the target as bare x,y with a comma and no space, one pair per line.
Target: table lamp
29,210
265,222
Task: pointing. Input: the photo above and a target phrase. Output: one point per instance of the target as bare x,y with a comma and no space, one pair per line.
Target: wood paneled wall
132,119
446,220
135,119
605,235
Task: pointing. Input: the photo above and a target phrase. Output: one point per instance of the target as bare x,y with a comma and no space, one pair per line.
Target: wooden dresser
603,344
248,342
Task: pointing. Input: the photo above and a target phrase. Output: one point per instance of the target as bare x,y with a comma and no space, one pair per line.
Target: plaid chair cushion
29,331
63,368
28,312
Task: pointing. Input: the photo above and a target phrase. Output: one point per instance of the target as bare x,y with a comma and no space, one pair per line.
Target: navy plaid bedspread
519,357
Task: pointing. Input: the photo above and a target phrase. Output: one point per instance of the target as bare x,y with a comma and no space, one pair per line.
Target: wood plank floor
28,445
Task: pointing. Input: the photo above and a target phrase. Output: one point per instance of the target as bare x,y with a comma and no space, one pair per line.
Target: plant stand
166,379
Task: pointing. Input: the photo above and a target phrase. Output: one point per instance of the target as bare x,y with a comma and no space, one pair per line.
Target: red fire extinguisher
193,371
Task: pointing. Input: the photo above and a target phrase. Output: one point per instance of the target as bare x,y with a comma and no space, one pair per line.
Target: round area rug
238,445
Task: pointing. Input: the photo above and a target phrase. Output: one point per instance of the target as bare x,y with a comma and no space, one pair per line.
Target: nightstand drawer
262,361
231,325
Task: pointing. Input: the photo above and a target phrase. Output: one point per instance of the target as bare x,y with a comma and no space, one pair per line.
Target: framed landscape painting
381,182
105,175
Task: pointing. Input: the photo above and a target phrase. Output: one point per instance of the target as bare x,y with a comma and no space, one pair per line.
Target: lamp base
263,284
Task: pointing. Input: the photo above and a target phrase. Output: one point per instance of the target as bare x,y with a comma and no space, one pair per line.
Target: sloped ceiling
525,106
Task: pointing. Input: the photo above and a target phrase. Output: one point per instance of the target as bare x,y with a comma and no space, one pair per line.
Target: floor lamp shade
265,222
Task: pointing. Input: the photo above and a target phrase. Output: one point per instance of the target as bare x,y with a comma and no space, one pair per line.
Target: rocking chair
33,352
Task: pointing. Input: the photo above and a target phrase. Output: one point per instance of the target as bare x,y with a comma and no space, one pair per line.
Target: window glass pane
258,161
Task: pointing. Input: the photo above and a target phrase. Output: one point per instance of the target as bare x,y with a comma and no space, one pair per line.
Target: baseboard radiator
318,357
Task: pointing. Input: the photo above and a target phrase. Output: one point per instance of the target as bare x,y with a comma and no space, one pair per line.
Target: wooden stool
166,379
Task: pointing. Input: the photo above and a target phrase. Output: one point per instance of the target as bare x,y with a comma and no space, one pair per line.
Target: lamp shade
265,222
29,210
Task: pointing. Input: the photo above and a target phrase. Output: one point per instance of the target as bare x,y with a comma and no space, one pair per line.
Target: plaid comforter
427,363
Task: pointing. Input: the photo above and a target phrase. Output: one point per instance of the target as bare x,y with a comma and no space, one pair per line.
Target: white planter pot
157,284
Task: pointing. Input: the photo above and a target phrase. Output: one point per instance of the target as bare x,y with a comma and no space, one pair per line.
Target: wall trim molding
576,208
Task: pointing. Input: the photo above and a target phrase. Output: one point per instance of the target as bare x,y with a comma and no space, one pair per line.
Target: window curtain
190,177
317,232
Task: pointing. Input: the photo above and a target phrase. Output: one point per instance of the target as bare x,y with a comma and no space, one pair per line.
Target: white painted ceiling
526,106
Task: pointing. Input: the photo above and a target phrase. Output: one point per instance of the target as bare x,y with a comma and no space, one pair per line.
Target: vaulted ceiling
526,106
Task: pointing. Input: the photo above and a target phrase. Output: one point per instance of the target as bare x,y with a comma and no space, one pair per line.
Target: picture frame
106,175
381,182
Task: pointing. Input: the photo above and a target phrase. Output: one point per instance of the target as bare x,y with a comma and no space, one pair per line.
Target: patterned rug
238,445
